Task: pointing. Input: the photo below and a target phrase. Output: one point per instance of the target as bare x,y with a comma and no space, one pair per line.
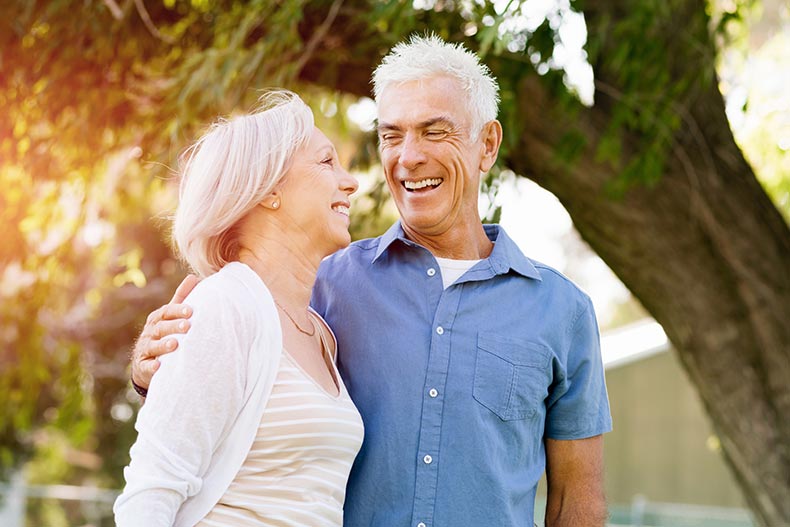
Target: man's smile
420,184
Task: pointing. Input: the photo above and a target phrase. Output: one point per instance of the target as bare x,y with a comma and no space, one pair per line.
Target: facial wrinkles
463,173
302,169
443,151
455,157
317,176
454,173
310,173
459,168
318,170
327,152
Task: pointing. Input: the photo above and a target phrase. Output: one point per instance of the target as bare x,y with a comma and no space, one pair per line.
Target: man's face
431,165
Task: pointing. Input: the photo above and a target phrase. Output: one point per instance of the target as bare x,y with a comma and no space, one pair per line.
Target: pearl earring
276,205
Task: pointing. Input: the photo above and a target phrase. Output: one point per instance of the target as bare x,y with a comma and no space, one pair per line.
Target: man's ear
491,138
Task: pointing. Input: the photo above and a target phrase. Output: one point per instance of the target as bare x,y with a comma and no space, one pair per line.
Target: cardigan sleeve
192,403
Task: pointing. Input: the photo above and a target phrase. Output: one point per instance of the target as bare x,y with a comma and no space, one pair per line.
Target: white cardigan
205,403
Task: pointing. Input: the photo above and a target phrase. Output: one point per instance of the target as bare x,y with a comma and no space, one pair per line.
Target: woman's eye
328,161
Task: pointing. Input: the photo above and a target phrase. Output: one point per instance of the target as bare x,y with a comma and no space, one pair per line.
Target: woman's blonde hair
229,171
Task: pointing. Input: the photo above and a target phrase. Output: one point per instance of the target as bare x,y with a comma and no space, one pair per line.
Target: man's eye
328,161
435,133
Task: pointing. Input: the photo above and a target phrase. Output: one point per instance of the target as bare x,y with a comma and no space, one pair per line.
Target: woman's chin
338,243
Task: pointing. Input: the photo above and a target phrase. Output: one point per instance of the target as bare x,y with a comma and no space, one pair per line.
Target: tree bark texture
704,249
708,256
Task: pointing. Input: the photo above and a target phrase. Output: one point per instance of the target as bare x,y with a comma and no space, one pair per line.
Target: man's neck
456,244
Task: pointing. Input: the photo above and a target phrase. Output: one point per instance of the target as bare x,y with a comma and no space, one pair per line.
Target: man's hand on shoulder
155,339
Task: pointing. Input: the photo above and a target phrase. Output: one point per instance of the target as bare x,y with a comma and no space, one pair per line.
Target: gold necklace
287,314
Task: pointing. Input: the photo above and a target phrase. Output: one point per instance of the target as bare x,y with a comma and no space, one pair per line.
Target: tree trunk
704,249
707,254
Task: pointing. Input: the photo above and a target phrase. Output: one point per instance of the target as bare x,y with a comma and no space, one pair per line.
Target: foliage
759,111
100,97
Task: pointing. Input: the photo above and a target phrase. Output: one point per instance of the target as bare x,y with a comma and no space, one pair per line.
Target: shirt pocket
511,376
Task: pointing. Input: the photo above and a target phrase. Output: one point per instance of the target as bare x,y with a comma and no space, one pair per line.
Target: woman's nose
347,182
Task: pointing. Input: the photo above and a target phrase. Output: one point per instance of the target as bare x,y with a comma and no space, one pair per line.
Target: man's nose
411,153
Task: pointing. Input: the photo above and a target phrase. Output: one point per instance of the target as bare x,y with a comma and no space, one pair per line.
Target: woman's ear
272,201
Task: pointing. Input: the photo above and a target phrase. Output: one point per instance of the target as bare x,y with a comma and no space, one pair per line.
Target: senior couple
468,368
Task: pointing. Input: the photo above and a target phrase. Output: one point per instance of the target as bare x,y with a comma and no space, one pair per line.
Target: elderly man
475,368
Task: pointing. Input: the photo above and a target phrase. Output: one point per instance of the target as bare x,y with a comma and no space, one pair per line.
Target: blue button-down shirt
458,387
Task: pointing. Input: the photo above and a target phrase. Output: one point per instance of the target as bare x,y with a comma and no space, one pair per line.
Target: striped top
295,473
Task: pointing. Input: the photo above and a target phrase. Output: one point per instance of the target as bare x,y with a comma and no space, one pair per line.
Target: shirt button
427,459
421,524
431,272
433,392
440,330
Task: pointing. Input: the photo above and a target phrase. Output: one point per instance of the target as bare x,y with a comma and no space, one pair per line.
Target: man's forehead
441,87
440,120
416,104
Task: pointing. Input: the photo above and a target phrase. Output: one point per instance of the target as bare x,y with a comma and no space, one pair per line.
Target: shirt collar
395,232
505,256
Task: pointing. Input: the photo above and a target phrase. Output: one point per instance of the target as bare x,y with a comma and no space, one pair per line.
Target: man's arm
574,473
154,341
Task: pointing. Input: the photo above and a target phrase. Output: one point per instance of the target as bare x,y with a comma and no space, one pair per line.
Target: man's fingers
163,329
156,339
167,312
176,311
145,357
157,348
154,316
166,346
143,372
184,288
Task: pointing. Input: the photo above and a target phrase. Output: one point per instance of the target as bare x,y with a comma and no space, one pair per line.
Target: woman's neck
287,272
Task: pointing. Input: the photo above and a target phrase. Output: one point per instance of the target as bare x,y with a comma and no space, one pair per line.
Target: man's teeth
416,185
341,209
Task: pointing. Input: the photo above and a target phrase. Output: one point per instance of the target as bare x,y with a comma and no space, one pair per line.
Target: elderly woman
251,424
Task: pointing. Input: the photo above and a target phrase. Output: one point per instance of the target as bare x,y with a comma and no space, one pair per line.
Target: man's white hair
423,57
229,171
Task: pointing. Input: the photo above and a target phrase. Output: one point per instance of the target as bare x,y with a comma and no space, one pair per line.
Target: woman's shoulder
234,281
235,294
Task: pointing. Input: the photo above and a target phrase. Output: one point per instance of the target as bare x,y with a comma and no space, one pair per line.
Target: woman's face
315,195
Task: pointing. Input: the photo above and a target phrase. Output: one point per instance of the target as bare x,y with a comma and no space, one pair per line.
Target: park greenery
99,98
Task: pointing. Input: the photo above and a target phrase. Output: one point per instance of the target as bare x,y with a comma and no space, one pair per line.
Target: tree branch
319,34
149,24
116,11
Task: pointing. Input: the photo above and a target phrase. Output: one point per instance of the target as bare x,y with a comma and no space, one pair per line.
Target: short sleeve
578,405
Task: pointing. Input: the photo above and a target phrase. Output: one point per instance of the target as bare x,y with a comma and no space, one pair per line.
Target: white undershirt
452,270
